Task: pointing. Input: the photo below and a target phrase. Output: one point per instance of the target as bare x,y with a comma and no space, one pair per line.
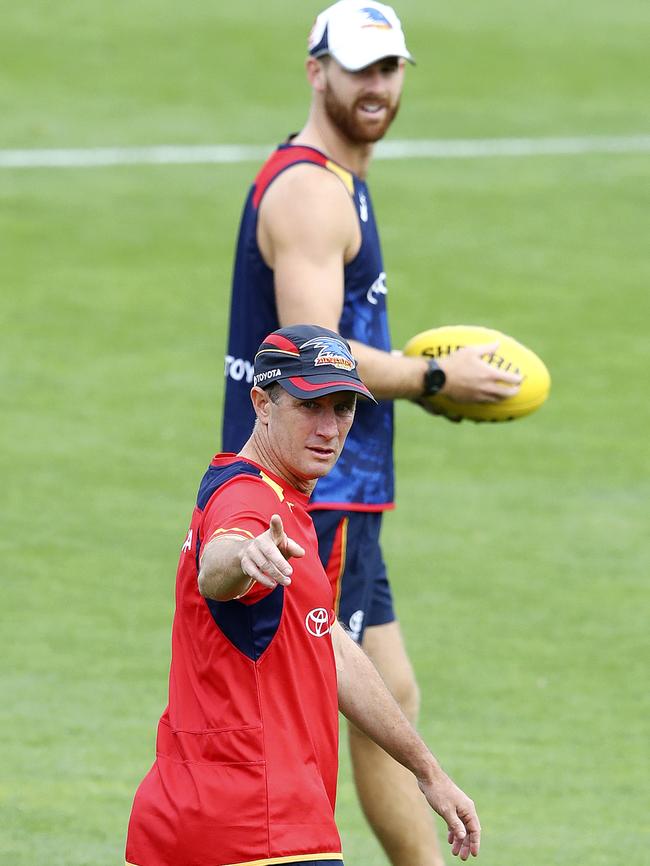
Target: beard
356,129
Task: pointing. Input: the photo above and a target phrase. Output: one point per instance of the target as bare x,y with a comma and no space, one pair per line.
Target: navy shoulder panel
249,627
216,476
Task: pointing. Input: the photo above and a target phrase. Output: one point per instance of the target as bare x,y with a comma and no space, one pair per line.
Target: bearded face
361,113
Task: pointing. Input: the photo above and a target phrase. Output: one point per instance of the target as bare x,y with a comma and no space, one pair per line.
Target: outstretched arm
470,379
231,564
367,703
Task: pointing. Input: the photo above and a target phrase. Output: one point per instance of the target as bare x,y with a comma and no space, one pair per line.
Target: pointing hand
266,558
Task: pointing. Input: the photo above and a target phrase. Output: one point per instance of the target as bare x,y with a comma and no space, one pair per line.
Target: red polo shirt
247,749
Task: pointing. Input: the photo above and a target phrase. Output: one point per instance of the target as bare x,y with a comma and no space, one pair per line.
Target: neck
257,450
322,135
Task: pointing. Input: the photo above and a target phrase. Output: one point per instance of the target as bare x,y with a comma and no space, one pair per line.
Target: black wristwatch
434,379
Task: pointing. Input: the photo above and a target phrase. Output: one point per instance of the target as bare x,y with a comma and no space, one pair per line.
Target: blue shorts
348,546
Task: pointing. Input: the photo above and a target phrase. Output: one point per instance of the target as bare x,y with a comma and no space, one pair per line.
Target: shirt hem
277,861
293,858
350,506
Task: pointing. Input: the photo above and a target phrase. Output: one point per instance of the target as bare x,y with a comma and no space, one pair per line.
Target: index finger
471,842
276,529
490,349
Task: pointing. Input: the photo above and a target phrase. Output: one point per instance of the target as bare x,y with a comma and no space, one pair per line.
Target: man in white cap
308,250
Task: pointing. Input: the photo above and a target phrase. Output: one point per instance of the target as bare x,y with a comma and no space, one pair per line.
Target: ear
315,74
261,404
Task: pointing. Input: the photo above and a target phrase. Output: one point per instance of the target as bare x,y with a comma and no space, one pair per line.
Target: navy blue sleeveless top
363,476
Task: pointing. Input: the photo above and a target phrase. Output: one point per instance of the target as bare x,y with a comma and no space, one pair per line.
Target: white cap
357,34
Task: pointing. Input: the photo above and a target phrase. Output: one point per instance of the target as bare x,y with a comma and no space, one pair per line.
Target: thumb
276,530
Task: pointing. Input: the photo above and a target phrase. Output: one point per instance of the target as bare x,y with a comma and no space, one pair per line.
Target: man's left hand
452,804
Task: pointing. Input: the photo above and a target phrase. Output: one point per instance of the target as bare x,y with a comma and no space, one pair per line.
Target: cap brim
319,386
359,62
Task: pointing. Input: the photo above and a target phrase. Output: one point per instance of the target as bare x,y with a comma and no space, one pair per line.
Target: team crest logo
376,289
317,622
374,18
332,352
187,544
356,621
363,207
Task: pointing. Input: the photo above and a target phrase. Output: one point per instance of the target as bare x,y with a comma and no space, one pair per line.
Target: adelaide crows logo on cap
332,352
374,18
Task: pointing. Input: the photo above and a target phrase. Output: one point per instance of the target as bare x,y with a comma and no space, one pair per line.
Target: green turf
519,552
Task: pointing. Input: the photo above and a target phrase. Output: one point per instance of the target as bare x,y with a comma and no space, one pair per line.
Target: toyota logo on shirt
317,622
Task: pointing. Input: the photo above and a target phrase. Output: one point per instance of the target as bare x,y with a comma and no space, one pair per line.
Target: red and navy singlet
363,476
247,749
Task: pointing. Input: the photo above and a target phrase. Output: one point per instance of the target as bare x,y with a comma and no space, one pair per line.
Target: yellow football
510,355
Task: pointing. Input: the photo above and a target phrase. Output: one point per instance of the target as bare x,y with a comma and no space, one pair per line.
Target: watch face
434,379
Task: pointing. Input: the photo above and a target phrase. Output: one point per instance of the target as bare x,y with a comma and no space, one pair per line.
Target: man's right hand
266,558
470,379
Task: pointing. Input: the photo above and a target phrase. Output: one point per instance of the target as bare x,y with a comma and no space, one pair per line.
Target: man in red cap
247,749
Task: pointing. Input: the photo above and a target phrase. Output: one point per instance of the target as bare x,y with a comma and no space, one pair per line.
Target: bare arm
308,230
367,703
231,564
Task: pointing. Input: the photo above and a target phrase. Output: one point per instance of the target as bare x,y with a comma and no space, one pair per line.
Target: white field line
234,153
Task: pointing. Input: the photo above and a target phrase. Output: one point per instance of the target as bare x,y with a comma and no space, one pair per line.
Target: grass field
519,553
